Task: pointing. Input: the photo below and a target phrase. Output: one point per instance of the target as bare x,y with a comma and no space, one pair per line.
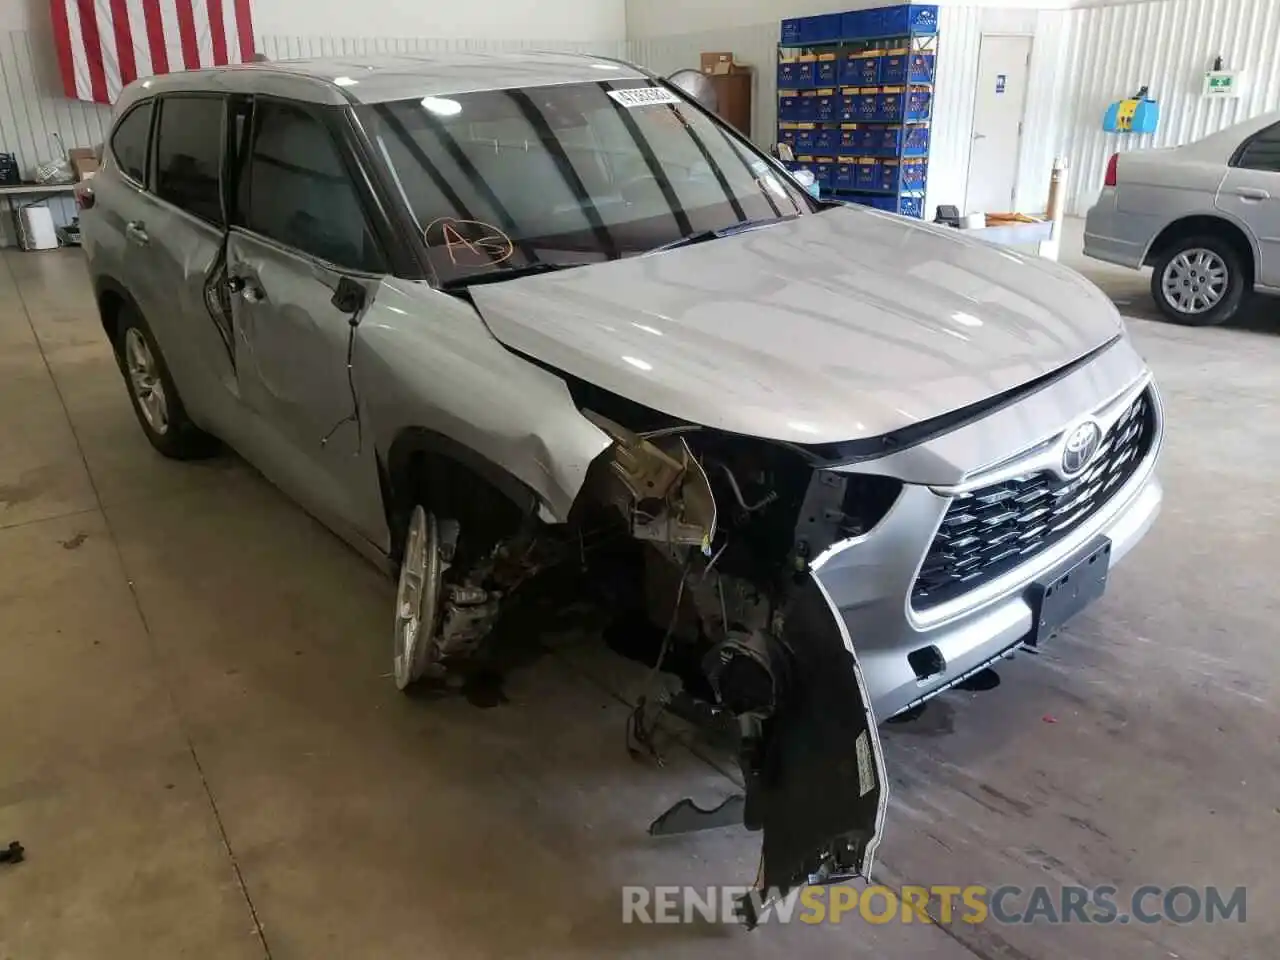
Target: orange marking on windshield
469,243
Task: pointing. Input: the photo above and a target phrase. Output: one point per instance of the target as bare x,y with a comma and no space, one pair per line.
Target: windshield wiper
510,273
700,236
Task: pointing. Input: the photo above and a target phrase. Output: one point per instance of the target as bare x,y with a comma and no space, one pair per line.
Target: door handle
1253,193
136,231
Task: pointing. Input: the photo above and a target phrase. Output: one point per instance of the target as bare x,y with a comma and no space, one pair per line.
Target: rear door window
189,155
1262,152
297,190
129,142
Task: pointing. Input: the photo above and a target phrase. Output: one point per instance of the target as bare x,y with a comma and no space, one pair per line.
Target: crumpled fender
424,359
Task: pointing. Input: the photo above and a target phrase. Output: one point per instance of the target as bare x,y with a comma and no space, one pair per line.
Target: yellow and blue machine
1138,114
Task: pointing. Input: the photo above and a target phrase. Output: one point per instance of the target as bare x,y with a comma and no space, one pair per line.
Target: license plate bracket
1058,598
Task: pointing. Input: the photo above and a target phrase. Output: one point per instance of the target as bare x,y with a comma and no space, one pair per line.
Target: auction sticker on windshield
644,96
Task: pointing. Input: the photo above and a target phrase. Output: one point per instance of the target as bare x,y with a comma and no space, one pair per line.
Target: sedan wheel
418,598
1195,281
144,380
1199,281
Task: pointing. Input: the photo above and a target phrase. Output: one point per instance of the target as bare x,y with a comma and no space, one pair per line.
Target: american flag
105,44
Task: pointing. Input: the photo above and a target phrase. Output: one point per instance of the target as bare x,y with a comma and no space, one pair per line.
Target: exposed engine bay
698,545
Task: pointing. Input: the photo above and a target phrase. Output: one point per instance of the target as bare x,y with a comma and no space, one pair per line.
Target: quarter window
297,190
1263,151
189,155
129,142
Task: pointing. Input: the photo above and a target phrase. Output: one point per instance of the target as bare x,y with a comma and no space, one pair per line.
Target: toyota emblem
1082,443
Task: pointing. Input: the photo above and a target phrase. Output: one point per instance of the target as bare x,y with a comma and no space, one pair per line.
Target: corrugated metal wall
1111,51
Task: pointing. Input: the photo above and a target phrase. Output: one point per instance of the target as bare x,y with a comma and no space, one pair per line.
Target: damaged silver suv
493,316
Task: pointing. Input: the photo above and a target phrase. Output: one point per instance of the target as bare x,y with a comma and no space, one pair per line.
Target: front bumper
908,656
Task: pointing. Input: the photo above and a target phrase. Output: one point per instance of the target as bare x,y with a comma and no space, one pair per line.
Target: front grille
989,531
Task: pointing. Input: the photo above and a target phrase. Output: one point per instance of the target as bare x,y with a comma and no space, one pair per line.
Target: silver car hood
837,326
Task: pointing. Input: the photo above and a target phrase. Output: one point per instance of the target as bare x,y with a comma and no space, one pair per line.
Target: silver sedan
1205,217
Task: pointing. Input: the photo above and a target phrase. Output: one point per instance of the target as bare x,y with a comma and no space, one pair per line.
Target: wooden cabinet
733,94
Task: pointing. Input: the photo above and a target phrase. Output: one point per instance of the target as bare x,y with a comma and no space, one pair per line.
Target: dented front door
292,366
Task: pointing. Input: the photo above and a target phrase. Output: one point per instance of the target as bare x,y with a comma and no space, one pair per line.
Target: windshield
521,179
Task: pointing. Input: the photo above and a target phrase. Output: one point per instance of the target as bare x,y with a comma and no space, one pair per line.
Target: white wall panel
959,36
1169,44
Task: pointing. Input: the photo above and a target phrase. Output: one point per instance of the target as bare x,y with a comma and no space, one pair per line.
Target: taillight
1112,165
84,195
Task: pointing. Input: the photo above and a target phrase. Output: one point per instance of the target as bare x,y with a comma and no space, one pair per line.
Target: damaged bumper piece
732,586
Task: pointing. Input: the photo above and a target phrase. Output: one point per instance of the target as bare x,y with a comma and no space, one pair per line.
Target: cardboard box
84,162
717,62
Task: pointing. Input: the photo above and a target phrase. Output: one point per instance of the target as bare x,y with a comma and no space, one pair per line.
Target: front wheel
1199,281
417,598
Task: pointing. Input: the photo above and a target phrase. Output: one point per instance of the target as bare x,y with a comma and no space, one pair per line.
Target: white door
1001,97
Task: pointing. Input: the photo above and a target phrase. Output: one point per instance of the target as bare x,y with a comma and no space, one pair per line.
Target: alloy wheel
417,598
145,381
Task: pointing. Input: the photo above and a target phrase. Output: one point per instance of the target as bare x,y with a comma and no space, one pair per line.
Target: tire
154,396
1199,281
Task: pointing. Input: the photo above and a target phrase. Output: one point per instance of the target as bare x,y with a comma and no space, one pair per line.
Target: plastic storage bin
824,170
911,207
913,174
802,143
853,25
826,72
845,176
790,31
820,29
889,106
919,102
906,18
893,67
920,69
826,142
796,74
916,142
866,106
860,69
827,107
867,175
885,142
888,175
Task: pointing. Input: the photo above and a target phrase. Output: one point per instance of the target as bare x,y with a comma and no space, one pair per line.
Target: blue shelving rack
855,102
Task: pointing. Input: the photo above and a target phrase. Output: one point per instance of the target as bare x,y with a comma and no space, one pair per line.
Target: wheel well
455,483
1201,226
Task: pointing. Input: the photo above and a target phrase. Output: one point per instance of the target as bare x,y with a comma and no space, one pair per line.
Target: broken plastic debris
1049,718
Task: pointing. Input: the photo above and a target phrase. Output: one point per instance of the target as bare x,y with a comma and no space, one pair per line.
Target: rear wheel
153,394
1199,281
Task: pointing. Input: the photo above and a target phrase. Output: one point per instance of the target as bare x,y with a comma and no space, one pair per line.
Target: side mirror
349,297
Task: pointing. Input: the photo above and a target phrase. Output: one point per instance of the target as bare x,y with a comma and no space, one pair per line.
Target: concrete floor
204,757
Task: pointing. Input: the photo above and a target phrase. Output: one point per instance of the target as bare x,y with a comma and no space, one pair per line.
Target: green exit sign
1221,83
